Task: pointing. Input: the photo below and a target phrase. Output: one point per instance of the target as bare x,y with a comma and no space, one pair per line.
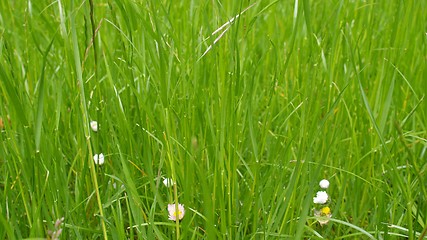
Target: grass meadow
240,107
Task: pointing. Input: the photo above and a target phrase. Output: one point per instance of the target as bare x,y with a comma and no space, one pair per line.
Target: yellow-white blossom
323,215
173,214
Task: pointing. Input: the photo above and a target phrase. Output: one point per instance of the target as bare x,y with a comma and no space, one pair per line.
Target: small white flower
323,215
321,197
324,184
98,159
94,125
168,182
173,214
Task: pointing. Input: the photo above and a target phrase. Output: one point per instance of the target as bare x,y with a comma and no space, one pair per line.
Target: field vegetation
131,119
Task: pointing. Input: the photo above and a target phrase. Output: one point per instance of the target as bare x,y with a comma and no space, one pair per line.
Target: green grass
246,122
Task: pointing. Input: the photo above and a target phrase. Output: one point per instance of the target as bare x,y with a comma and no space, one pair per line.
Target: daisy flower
173,214
323,215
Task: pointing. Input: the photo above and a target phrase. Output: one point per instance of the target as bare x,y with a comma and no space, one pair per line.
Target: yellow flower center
325,211
177,214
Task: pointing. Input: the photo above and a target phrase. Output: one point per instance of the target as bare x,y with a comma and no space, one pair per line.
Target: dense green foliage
246,121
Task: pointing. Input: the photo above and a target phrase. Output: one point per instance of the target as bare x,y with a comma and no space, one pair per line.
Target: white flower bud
324,184
94,126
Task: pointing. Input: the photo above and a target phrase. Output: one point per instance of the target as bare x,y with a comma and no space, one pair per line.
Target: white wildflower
173,214
324,184
321,197
323,215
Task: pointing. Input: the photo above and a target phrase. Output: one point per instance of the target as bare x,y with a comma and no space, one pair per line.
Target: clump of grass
242,126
